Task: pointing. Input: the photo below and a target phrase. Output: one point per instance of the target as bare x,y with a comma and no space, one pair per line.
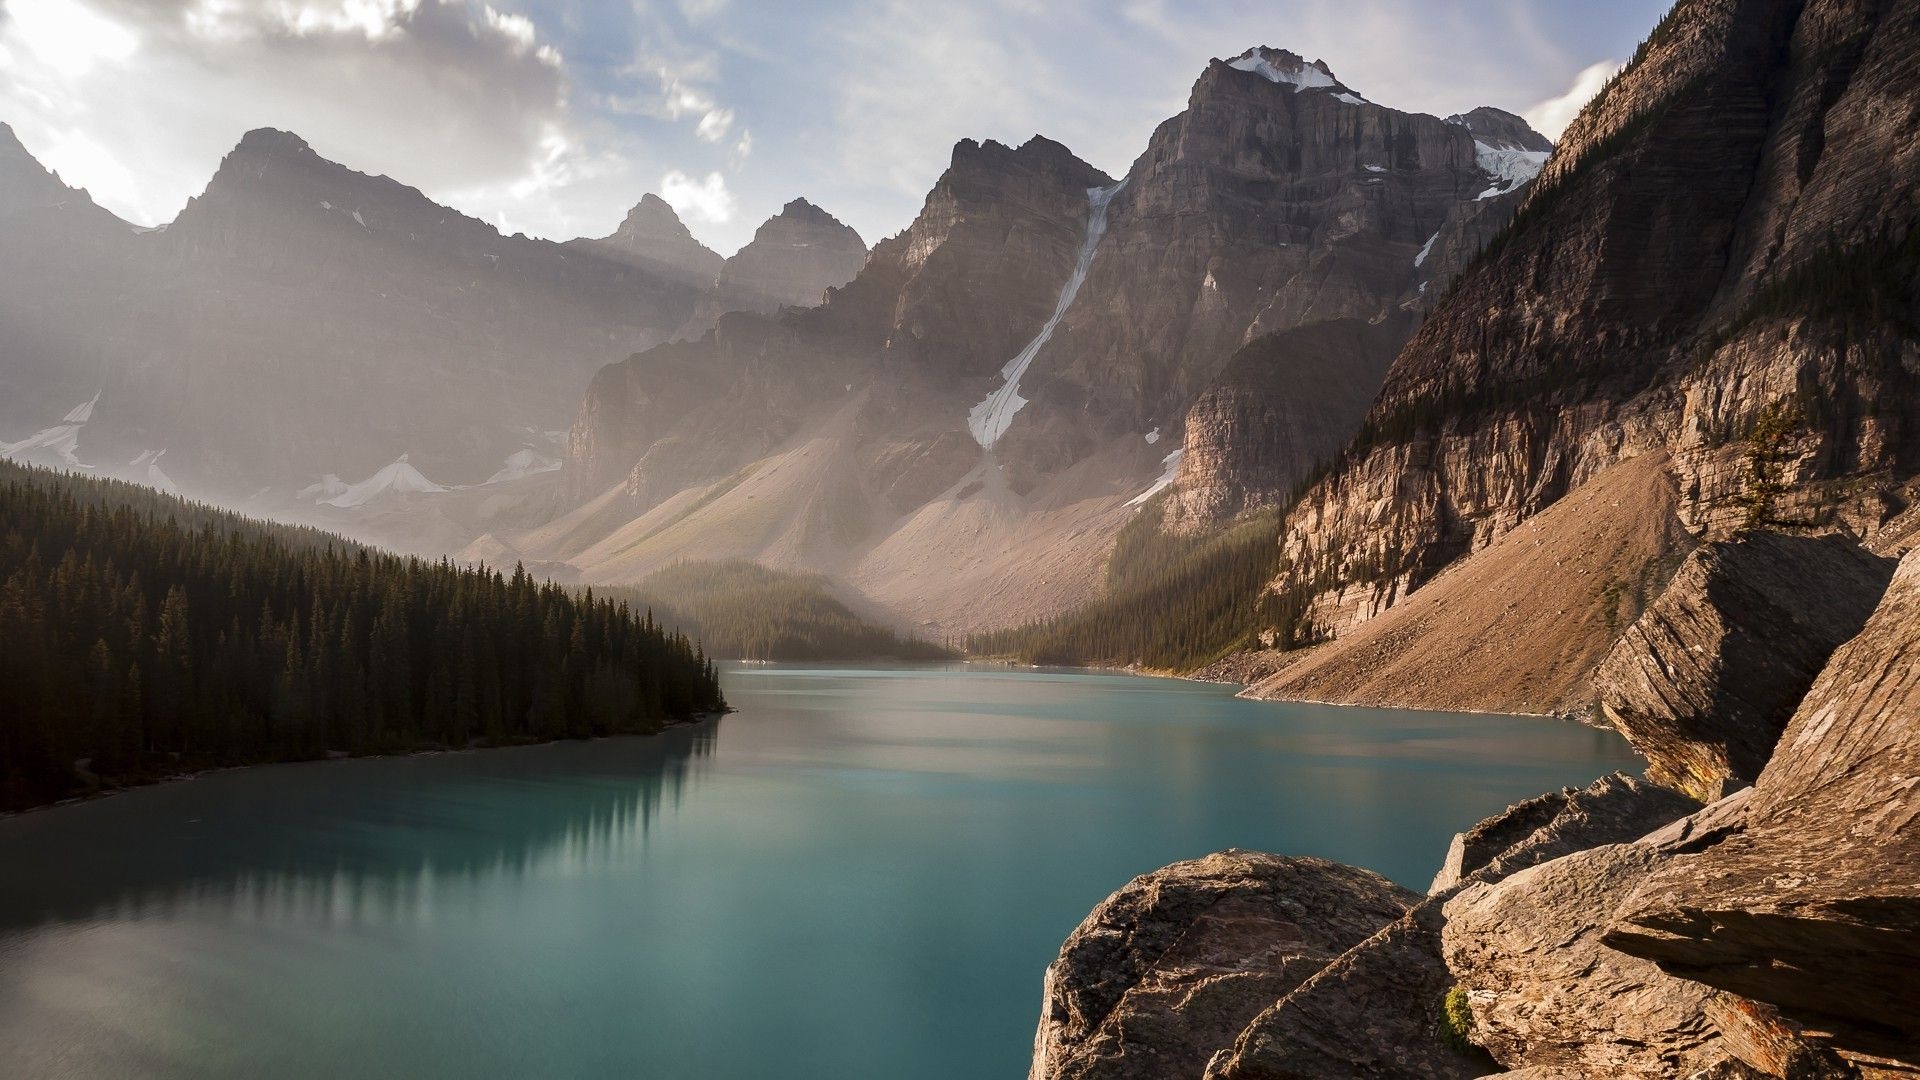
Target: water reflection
346,841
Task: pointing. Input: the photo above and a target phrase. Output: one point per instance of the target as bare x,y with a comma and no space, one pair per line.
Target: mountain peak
653,233
1286,68
272,140
1502,130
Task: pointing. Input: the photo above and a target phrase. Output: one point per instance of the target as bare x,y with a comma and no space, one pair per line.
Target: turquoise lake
860,873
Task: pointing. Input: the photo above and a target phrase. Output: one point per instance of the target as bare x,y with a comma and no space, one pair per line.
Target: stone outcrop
1814,904
1377,1011
1612,810
1170,968
1703,683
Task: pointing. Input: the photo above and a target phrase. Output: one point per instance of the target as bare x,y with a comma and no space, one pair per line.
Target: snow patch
1171,465
989,419
522,463
61,440
1350,99
362,222
398,478
326,488
1307,77
1426,249
1509,168
1376,168
155,477
1153,436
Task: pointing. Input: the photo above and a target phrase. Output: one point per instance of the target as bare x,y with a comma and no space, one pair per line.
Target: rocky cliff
1621,930
1716,265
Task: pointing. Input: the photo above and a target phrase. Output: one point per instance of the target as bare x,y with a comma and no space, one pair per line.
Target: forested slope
146,636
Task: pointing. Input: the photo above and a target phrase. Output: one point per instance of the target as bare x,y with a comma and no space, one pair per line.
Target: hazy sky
553,116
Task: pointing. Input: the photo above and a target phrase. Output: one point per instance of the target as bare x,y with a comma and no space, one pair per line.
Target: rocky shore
1621,930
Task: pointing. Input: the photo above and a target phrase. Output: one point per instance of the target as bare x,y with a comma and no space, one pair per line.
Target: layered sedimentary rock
1717,265
1814,904
1704,682
1169,969
1284,405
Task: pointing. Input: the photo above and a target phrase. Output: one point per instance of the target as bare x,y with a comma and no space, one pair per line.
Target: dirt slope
1520,625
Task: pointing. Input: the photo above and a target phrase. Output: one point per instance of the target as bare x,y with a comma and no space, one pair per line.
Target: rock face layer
1671,285
1704,682
1170,968
1814,906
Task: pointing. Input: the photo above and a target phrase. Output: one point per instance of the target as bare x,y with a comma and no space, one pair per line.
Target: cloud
713,126
706,200
138,100
1552,116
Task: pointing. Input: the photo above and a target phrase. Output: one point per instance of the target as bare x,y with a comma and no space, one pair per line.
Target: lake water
861,873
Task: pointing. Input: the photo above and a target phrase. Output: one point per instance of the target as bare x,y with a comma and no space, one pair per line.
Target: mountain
347,320
793,259
63,259
653,236
961,430
1717,274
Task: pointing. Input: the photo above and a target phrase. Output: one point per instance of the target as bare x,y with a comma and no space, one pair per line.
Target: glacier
989,419
1509,168
398,478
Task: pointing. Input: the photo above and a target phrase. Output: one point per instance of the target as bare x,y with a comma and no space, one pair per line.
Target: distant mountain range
300,320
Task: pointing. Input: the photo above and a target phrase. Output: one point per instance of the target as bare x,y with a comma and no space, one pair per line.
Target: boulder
1377,1011
1170,968
1814,906
1705,680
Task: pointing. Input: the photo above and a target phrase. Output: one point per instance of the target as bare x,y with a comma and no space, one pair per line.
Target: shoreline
331,759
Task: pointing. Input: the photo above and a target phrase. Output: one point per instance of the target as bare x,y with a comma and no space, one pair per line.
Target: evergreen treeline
141,635
744,611
1172,603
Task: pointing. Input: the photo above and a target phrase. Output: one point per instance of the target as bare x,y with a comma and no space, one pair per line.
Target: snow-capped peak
1285,68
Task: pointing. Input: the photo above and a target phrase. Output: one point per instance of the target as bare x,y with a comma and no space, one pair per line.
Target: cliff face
1704,681
1280,198
1715,265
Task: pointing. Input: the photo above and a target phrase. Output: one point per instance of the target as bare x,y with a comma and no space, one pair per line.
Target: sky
552,117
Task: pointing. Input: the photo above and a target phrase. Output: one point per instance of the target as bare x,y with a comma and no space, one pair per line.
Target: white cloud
713,126
65,36
1552,116
137,100
742,150
706,200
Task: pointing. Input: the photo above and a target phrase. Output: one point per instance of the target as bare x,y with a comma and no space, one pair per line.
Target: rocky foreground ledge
1622,930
